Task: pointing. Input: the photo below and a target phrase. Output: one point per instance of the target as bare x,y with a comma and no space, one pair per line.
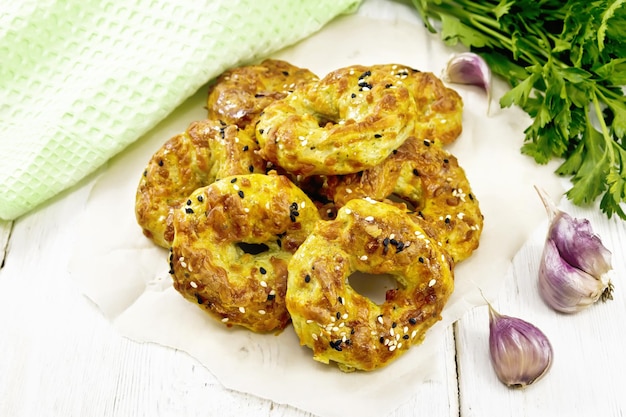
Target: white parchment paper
126,275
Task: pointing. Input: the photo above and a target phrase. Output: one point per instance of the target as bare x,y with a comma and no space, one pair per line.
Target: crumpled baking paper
80,80
126,275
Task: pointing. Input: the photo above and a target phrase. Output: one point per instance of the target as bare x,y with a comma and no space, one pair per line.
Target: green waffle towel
82,79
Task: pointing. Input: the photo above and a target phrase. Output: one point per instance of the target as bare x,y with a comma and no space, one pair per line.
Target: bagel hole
372,286
253,248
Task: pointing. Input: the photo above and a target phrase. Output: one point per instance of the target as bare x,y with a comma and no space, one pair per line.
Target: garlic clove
575,269
563,287
469,68
520,353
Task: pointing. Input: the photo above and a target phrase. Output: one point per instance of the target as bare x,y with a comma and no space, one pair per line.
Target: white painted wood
588,369
60,358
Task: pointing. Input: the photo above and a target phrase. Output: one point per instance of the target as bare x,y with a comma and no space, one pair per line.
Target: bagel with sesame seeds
207,150
427,177
346,328
232,244
350,120
240,94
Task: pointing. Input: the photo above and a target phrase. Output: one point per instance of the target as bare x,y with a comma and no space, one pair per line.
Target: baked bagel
207,150
339,324
350,120
428,178
233,241
240,94
439,108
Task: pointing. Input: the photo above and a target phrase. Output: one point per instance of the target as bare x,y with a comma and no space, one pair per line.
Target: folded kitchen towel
82,79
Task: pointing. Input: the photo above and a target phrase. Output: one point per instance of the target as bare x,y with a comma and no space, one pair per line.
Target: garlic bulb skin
520,353
575,270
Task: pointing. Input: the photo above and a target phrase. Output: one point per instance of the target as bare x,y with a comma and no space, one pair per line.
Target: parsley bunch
566,63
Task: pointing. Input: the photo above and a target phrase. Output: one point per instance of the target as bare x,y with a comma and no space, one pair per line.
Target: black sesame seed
447,220
307,278
353,95
188,202
200,198
421,259
393,325
240,193
365,74
471,197
381,340
160,162
388,85
426,142
262,270
405,337
245,148
338,315
145,173
378,135
188,210
261,131
270,297
416,172
340,300
286,73
413,320
259,95
198,298
336,345
234,180
446,160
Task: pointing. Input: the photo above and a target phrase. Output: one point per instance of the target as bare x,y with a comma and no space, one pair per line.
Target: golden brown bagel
439,108
339,324
430,180
233,241
195,158
240,94
350,120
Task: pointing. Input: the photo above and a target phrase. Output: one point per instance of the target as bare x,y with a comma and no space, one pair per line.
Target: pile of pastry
294,183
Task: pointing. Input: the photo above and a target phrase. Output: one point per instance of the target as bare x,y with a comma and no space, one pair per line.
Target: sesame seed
242,309
432,282
263,284
348,211
193,284
313,336
225,319
380,319
392,348
369,219
261,312
391,332
309,321
363,258
344,316
413,334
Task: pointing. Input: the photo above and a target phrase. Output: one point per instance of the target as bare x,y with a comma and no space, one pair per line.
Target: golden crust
233,241
428,178
439,108
240,94
339,324
207,150
350,120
